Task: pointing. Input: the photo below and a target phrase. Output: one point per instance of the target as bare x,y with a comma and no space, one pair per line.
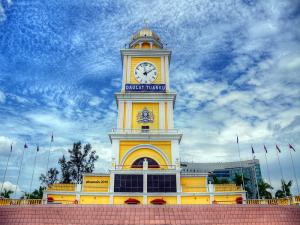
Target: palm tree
263,189
238,179
285,189
6,193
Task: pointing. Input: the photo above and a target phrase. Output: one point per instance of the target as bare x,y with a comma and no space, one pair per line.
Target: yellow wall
94,199
170,200
192,200
164,146
96,183
226,199
193,184
137,60
144,152
138,107
119,200
64,199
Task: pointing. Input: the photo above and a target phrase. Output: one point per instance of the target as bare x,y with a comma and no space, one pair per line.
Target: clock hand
150,70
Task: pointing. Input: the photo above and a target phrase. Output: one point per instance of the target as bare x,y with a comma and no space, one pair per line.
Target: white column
161,115
178,199
112,182
115,150
145,199
120,115
163,75
128,114
175,151
128,69
178,182
124,72
170,115
167,72
145,183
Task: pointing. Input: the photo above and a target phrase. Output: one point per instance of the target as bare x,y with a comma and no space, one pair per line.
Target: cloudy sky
235,67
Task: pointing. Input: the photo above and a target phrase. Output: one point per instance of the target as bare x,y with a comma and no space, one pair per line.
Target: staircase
149,214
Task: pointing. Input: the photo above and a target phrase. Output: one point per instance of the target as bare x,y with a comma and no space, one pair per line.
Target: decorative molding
162,65
145,136
120,114
162,115
145,146
170,115
124,72
128,114
128,69
167,72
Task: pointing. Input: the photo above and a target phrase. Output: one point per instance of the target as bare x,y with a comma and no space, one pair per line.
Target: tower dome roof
145,35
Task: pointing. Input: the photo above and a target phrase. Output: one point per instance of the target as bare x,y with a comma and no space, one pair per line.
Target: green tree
285,189
65,170
6,193
50,178
263,188
36,194
238,179
81,160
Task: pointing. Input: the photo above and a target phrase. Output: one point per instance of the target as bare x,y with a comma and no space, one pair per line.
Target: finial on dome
145,38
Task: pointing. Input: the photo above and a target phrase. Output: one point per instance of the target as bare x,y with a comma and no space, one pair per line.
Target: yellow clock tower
145,167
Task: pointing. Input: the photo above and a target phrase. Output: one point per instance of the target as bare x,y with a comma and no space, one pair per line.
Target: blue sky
235,67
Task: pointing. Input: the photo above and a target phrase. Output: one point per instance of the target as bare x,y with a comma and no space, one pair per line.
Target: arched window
139,163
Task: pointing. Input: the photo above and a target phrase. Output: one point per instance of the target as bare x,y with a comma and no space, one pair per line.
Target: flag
37,148
265,149
237,139
52,139
25,145
252,149
291,147
278,149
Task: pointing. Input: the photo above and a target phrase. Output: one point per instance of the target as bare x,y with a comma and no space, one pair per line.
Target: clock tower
145,167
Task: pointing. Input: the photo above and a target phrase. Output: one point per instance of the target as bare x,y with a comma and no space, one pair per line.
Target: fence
20,201
227,187
61,187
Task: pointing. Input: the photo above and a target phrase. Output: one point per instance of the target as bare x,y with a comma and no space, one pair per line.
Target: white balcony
144,131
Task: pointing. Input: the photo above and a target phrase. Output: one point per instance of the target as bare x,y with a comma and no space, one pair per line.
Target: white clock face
145,73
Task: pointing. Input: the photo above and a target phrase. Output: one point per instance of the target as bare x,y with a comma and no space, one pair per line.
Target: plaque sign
145,88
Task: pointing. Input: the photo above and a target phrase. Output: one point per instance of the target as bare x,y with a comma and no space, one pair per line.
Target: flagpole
25,146
281,172
33,169
238,147
268,167
6,168
254,170
294,171
49,155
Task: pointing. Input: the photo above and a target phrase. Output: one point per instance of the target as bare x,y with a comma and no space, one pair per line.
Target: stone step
149,215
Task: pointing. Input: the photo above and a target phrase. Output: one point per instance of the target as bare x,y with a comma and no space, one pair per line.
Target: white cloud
95,101
2,97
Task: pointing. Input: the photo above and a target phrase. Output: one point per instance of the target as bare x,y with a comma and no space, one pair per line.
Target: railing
227,188
275,201
144,131
131,167
61,187
20,201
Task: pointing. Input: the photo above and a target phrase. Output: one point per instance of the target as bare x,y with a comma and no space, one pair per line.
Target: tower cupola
145,38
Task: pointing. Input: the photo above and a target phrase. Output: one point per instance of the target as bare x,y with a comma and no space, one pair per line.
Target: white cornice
145,136
146,97
146,52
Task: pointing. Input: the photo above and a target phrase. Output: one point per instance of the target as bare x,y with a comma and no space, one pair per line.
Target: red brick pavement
149,215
